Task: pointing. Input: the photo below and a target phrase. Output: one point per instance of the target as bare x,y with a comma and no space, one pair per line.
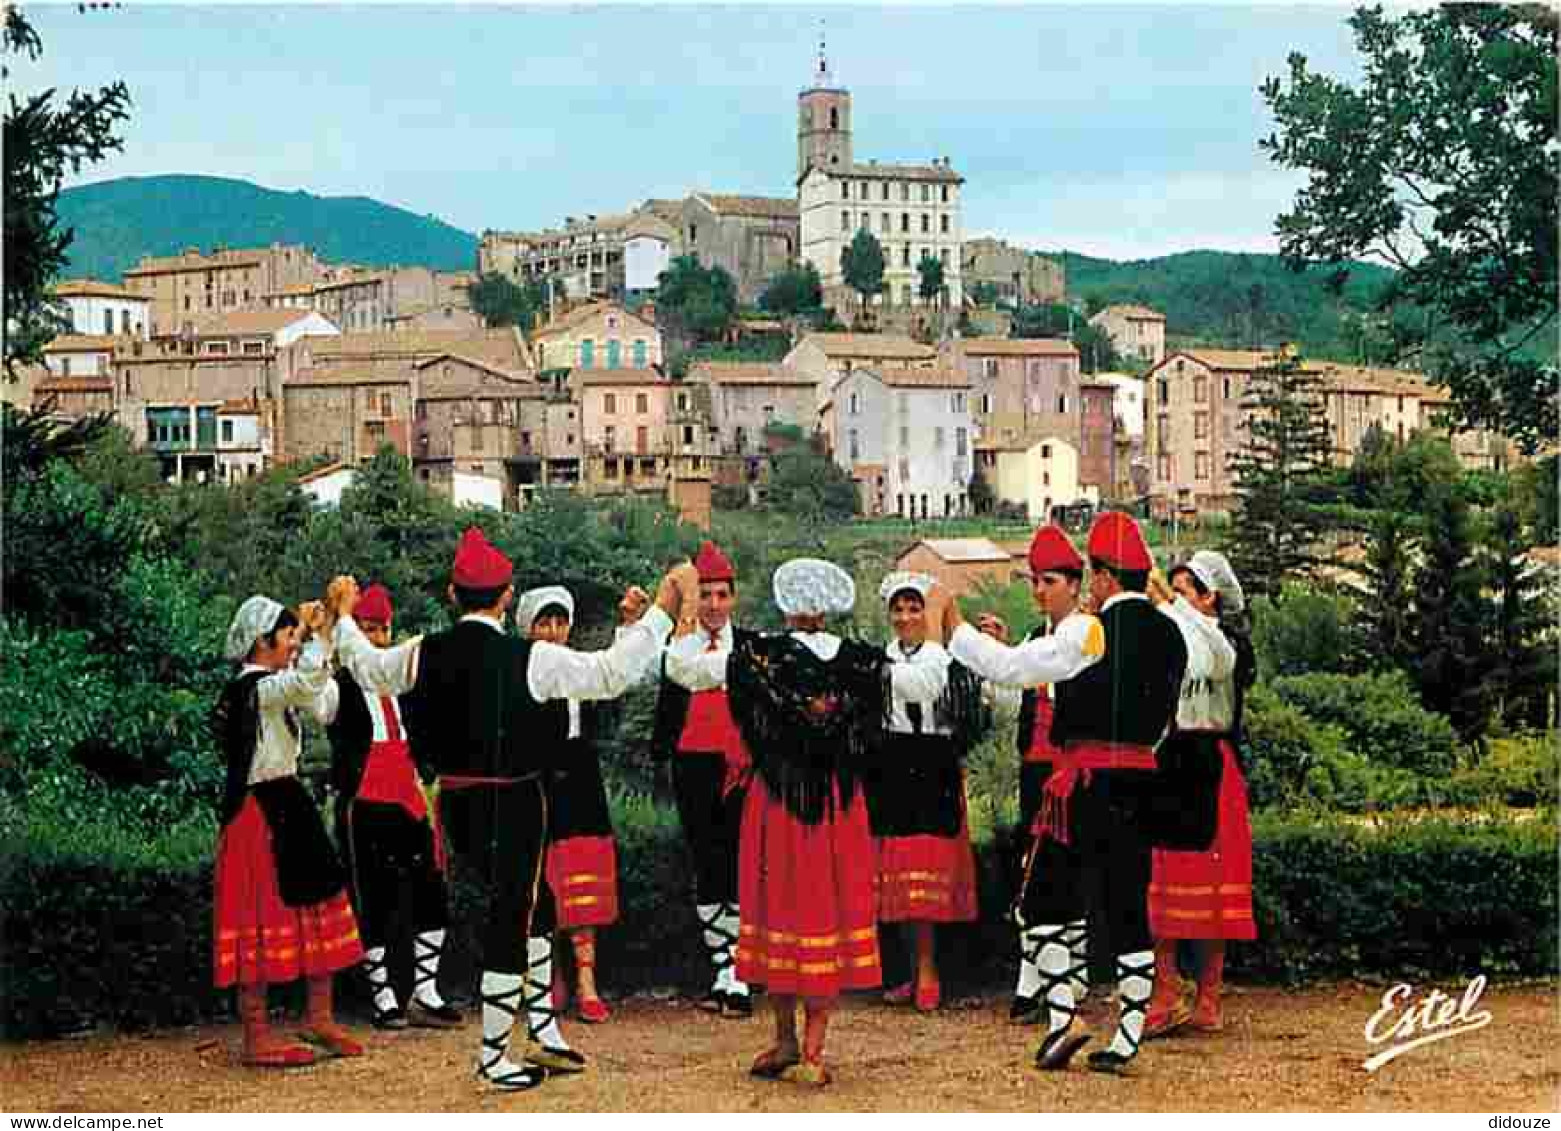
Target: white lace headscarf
533,601
255,617
813,587
1212,569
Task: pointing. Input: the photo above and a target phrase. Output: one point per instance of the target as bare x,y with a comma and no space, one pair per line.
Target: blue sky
1116,130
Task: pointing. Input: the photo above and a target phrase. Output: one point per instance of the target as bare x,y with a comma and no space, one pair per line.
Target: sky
1123,131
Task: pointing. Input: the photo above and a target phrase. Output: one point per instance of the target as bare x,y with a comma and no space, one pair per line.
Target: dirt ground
1280,1051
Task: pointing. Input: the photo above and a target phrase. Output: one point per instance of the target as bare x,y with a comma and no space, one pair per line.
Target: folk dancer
916,789
383,827
710,771
810,707
582,856
280,906
1101,795
476,699
1206,895
1056,575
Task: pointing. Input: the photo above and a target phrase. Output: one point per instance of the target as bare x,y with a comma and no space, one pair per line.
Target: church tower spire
823,78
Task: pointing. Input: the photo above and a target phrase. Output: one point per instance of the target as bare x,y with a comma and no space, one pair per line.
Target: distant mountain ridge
119,221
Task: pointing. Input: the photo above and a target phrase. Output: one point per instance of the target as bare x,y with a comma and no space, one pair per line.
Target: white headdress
255,617
533,601
1212,569
813,587
901,580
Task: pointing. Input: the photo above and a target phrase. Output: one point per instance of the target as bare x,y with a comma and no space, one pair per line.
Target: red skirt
1208,895
927,879
582,872
807,899
259,939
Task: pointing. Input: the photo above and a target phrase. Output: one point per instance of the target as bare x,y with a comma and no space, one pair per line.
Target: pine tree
1524,671
1281,476
862,265
1389,615
1454,660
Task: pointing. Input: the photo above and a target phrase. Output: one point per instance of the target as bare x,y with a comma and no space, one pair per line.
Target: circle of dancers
819,786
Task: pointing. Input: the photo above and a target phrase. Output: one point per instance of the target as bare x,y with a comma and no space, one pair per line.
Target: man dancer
394,870
710,771
1109,716
476,696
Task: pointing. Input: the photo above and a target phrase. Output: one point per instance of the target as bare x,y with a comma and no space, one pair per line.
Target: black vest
672,708
1131,694
351,733
471,712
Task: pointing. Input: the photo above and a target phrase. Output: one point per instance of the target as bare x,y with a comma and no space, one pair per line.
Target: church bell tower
823,120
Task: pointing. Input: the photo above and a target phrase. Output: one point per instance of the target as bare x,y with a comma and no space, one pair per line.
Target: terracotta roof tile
76,385
82,343
870,345
348,375
1131,310
255,320
963,549
1017,347
922,378
92,288
890,172
617,377
760,206
747,373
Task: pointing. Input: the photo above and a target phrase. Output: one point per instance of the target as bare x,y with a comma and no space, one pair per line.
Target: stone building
906,436
912,209
753,238
824,358
637,433
389,298
102,308
747,397
1135,331
183,286
1196,422
597,335
960,564
474,419
1034,474
1014,274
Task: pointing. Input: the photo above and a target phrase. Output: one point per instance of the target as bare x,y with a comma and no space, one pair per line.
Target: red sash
389,777
710,726
1041,748
1073,763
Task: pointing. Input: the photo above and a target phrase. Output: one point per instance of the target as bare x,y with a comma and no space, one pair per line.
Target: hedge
106,925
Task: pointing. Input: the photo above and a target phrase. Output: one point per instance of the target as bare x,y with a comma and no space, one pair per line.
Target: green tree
1282,471
796,290
502,302
43,139
930,278
1524,674
1443,163
861,264
811,487
983,293
1388,614
1454,660
698,303
981,494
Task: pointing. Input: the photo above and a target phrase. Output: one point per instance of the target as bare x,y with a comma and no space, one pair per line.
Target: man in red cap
386,836
1108,718
1052,949
475,697
695,731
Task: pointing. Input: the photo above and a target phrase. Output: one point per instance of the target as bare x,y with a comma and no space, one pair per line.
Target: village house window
845,190
421,412
607,438
855,405
1163,390
587,353
884,223
905,436
1200,389
943,255
254,348
375,430
609,404
856,445
386,405
905,403
688,434
186,302
937,439
958,402
885,188
945,194
642,439
943,224
1165,468
1201,465
641,404
639,353
926,194
108,321
959,442
682,402
1165,430
905,221
845,221
926,222
905,473
986,404
867,222
1062,403
1200,426
1227,391
64,367
905,256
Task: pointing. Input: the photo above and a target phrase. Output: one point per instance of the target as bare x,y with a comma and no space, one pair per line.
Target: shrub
1304,631
1522,771
1380,715
1284,749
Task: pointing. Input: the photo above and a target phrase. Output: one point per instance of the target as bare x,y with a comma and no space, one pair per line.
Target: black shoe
1025,1010
559,1062
522,1079
1058,1048
433,1016
712,1002
735,1004
1112,1063
393,1018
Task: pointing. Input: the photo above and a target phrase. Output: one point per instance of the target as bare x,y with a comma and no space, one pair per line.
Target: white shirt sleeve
1046,659
325,705
693,667
1210,655
557,672
297,686
384,671
923,677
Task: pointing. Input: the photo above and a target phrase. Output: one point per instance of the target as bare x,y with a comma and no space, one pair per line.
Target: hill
1234,299
119,221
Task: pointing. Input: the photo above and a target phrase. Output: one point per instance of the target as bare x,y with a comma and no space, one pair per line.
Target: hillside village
226,361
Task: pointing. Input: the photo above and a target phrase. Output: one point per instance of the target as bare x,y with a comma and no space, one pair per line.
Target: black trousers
395,881
1103,872
577,797
497,836
712,825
